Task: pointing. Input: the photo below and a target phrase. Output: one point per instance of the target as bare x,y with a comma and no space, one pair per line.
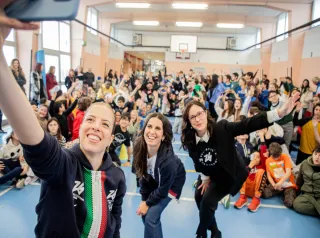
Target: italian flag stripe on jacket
95,200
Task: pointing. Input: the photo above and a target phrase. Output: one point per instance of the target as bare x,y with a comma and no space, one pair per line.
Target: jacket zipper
97,202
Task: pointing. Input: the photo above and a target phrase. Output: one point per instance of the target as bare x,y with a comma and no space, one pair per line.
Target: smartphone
43,10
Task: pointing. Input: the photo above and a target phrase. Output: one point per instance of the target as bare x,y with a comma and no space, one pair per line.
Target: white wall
205,40
312,43
252,57
279,51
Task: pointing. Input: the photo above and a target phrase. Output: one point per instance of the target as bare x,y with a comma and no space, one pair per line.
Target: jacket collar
204,138
106,161
164,153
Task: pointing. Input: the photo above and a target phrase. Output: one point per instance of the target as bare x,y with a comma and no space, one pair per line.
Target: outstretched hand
289,105
7,23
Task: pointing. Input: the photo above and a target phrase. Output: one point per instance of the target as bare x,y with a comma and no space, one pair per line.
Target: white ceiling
242,10
170,27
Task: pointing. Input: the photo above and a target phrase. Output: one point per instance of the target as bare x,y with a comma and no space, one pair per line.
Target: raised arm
16,107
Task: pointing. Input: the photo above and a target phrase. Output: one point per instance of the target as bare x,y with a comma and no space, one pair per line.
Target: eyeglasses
199,115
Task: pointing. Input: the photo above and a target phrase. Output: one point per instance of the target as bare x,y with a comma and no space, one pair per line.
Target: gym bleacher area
179,220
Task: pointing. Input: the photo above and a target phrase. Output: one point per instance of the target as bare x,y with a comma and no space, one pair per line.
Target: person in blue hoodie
82,190
161,173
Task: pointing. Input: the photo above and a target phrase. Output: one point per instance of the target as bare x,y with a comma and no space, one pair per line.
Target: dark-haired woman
211,147
306,96
162,174
215,90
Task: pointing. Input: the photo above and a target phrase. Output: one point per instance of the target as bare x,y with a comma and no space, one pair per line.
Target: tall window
258,39
56,41
9,47
316,12
92,20
282,26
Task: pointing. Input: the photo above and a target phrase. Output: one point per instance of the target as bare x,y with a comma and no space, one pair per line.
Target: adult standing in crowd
70,79
221,170
51,80
18,74
38,89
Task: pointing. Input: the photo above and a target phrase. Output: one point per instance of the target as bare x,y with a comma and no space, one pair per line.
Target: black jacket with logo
229,172
75,201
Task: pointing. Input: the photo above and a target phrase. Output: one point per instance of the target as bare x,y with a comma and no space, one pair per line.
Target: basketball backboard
183,43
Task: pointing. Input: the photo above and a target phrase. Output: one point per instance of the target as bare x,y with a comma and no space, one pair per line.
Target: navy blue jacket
75,200
241,153
170,176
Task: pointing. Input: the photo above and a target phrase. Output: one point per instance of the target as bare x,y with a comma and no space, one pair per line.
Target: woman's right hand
204,185
7,23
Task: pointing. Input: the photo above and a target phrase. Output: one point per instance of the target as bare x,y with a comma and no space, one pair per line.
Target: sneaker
20,183
226,201
242,201
254,205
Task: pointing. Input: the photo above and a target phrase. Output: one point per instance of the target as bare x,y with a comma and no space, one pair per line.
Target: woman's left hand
289,105
142,209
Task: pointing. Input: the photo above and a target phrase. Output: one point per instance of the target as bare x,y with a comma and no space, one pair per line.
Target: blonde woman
18,73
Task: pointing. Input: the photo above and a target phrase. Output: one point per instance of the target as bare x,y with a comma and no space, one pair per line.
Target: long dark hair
58,135
230,109
306,88
140,150
214,81
188,133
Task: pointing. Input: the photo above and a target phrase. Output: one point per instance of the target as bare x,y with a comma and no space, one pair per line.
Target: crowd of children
133,96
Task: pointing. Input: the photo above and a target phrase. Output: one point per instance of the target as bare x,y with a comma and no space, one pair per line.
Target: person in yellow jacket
105,89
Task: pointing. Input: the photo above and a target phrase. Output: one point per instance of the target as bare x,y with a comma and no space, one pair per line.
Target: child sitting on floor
280,177
257,179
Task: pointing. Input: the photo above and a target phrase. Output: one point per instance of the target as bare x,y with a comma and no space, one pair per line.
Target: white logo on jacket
110,198
77,190
206,157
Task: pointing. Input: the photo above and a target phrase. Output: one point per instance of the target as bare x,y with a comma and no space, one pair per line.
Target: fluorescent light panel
132,5
189,24
192,6
228,25
146,23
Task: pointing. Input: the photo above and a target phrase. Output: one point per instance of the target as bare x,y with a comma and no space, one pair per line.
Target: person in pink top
51,80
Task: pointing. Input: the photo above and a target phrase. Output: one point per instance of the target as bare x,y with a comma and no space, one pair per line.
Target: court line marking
139,195
231,203
6,190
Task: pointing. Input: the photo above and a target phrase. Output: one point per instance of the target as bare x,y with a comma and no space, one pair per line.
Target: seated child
308,182
256,180
11,162
121,136
280,177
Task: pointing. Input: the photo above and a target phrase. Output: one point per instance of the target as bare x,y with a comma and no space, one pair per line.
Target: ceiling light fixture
191,6
132,5
189,24
146,23
228,25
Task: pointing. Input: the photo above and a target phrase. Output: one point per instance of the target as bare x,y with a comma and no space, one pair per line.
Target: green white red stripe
96,202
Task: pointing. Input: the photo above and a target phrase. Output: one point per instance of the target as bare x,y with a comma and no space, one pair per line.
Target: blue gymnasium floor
273,220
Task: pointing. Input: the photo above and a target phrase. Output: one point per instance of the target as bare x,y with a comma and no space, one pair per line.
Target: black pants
115,157
207,205
301,157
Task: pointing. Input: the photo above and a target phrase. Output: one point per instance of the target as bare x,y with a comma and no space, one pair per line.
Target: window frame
314,4
90,11
285,26
12,43
59,52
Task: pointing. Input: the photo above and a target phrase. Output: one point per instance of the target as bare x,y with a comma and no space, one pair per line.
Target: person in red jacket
256,180
83,104
51,80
